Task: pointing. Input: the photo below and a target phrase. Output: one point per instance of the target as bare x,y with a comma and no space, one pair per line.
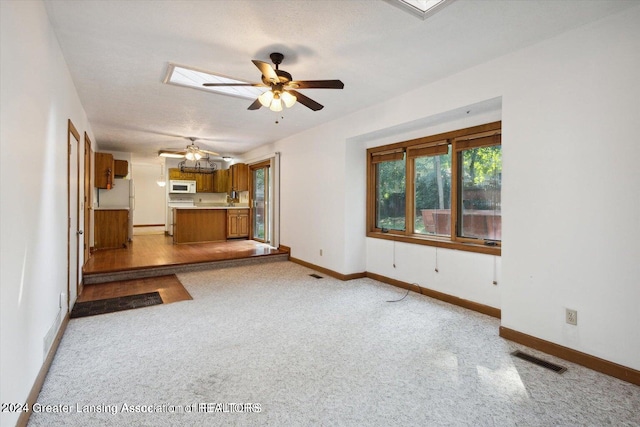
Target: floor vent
317,276
552,366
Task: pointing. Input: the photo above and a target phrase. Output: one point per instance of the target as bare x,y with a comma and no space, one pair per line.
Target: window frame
488,134
381,157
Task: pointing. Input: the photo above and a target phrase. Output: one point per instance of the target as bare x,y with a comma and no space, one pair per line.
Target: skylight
421,8
190,77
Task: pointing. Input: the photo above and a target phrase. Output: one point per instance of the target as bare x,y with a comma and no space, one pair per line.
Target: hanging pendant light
161,182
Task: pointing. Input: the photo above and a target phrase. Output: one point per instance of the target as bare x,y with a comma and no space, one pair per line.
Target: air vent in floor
552,366
317,276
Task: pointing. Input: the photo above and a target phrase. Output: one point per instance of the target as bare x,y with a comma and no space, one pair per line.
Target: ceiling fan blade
306,101
171,153
266,71
235,84
256,105
316,84
213,153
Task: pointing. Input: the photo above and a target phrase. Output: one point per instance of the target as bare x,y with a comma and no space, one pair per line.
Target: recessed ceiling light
190,77
420,8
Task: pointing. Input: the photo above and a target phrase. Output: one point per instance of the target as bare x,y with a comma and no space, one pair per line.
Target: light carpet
306,351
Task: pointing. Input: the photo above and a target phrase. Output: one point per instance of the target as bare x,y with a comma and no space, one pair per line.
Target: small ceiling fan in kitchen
191,152
282,88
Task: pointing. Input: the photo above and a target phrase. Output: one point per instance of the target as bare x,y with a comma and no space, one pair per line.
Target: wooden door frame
72,132
88,199
252,168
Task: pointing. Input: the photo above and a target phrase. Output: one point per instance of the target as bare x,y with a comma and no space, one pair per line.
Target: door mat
111,305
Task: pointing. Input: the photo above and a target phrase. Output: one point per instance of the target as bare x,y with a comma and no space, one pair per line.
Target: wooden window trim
429,150
483,139
478,136
380,158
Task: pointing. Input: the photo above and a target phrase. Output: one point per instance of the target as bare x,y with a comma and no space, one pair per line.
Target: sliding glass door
260,199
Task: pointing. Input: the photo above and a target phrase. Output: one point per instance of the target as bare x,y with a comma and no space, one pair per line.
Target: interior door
73,216
260,199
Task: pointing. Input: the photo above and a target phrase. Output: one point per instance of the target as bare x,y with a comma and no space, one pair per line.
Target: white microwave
177,186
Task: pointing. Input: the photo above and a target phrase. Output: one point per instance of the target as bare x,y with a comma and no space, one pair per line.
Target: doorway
260,186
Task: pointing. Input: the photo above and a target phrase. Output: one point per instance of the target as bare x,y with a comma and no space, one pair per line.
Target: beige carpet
270,345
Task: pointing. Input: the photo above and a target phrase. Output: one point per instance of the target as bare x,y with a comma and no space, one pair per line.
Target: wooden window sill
437,242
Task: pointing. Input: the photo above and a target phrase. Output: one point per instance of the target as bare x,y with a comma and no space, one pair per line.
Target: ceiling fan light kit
193,156
191,152
282,87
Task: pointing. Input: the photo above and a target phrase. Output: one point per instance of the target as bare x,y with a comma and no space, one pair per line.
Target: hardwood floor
158,250
169,287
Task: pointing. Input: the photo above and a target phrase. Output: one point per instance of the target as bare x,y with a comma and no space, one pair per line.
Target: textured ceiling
118,52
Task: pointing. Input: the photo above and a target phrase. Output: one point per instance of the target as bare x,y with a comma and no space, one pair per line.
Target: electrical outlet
320,252
572,316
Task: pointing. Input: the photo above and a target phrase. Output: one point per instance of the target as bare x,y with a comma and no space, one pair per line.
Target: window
441,190
390,191
481,179
432,189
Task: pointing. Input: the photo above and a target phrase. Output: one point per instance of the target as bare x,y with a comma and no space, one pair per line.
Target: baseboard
592,362
148,225
32,398
480,308
284,248
326,271
471,305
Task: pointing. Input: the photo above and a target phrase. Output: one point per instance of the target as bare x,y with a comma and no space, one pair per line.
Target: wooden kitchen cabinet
237,223
221,181
121,168
240,177
204,183
111,228
104,170
176,173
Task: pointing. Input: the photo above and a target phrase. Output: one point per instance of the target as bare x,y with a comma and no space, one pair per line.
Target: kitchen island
209,223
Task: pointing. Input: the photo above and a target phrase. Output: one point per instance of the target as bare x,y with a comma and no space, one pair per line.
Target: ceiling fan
191,152
283,87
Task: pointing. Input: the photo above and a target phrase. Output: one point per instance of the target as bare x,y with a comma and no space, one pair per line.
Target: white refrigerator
121,196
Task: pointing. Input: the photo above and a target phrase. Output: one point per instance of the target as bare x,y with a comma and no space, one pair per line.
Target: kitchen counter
211,206
111,208
213,222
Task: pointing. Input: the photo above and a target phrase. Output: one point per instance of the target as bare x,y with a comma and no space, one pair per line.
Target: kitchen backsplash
210,197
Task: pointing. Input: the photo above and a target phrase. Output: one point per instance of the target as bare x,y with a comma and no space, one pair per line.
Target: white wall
571,110
37,98
569,107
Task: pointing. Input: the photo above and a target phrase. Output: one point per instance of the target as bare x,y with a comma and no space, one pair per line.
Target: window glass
480,214
432,184
390,195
